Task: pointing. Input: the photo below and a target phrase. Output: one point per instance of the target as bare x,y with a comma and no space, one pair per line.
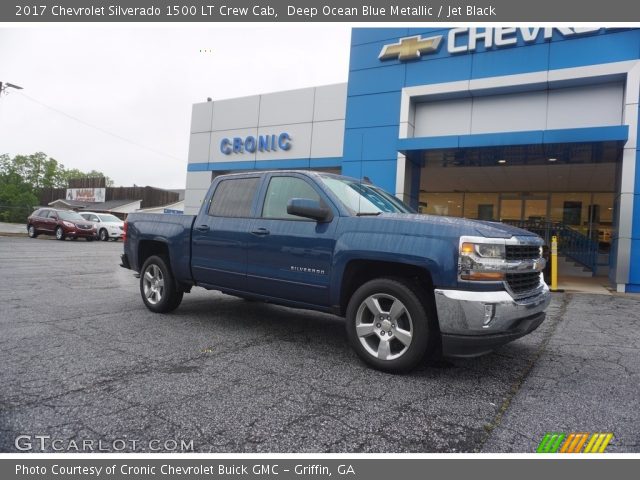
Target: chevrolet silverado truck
408,285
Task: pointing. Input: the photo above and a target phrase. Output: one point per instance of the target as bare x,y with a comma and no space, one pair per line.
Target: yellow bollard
554,263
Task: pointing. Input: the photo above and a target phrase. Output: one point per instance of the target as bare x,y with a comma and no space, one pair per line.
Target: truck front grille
522,252
520,283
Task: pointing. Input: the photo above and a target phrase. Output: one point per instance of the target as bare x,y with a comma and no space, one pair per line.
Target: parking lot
81,359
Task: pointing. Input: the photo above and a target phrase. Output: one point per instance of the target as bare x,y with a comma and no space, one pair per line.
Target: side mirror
307,208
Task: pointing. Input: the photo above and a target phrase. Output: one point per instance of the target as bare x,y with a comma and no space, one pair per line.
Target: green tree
17,197
23,176
75,173
39,170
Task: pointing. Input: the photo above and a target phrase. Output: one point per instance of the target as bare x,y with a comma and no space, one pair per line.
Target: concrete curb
13,234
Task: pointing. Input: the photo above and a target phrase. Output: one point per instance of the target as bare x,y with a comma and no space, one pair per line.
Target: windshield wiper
368,214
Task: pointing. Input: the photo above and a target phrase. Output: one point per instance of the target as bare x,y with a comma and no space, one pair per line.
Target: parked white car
107,225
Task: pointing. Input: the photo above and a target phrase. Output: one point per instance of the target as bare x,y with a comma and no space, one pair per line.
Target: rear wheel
387,325
157,286
31,231
59,233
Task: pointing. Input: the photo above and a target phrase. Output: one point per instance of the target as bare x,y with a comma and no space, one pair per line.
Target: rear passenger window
234,197
280,191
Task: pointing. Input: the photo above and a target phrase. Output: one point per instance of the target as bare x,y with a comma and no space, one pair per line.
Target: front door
221,234
290,257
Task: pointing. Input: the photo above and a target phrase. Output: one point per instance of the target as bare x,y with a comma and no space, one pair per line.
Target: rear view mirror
307,208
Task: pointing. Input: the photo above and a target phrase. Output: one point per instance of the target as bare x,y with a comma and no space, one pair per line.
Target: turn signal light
486,276
467,248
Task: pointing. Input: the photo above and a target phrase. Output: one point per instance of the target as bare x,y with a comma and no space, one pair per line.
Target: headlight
69,224
490,250
481,261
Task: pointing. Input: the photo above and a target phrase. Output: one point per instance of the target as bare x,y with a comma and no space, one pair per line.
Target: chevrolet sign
410,48
464,40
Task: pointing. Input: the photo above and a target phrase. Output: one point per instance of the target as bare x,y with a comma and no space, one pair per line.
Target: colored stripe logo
574,442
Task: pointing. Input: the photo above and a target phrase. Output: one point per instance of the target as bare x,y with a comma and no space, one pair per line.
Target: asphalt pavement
82,360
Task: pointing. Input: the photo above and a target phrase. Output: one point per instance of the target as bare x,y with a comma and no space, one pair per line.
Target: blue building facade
521,124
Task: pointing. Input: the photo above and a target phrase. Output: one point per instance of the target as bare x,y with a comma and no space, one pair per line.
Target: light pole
4,86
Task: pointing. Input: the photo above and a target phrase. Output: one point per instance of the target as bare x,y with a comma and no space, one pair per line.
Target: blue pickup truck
408,285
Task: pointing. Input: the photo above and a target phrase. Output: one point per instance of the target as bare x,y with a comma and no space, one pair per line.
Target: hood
463,225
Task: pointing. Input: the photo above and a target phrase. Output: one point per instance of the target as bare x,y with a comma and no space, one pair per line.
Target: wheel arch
359,272
148,248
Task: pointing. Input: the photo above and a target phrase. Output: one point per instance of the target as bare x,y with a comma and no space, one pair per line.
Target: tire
31,231
74,239
158,287
59,233
89,239
104,235
390,305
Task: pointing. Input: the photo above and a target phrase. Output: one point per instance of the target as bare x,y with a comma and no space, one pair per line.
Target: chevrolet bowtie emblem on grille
410,48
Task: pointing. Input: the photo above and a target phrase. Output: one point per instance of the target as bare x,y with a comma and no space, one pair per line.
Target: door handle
260,231
202,228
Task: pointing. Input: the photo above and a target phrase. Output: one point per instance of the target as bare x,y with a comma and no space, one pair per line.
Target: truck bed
172,230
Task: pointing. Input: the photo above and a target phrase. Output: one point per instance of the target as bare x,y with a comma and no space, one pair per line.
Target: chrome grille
520,283
522,252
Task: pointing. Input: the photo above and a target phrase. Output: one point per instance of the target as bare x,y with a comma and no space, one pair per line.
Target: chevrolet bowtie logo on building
410,48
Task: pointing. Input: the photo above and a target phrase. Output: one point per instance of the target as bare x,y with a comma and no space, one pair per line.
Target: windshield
71,216
364,199
109,218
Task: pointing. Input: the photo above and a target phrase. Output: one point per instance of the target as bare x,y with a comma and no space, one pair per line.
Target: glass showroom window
449,204
481,206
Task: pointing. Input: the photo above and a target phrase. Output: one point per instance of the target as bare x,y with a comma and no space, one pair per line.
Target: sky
118,99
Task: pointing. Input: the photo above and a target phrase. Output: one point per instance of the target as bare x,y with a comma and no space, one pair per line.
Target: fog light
489,312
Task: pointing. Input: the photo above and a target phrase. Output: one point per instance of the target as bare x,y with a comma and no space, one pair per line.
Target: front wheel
387,325
31,231
104,235
59,233
157,286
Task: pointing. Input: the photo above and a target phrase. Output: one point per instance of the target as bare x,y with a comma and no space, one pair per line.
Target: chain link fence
15,213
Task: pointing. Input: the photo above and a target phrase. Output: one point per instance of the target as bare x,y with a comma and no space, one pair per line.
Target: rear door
290,257
48,221
221,234
37,220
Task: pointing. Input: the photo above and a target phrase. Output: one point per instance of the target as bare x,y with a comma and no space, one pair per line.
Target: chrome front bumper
473,323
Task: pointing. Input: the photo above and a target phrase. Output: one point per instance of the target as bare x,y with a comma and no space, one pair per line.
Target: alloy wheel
153,284
384,326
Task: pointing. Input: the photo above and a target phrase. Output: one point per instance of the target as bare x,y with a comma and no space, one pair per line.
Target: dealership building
536,127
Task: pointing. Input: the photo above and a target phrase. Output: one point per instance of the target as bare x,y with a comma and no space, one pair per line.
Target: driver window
280,191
